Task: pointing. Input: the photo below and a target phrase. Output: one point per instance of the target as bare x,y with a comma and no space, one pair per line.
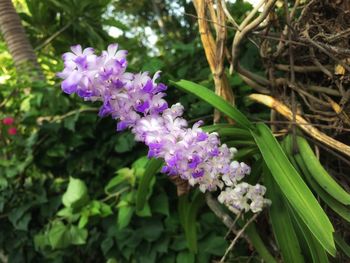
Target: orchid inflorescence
137,102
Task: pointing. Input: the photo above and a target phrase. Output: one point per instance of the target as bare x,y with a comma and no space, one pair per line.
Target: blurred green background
68,181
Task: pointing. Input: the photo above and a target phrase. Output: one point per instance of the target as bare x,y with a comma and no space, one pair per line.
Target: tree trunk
15,37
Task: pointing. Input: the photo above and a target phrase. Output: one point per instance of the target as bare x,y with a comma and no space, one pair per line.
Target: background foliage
72,189
68,181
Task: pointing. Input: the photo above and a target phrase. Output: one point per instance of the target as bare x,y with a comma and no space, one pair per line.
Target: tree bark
15,37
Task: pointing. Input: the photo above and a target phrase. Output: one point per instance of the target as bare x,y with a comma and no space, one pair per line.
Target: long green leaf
320,175
318,253
300,165
239,143
188,211
281,222
191,229
215,100
256,172
294,188
246,152
259,244
219,126
342,244
235,133
288,179
336,206
152,168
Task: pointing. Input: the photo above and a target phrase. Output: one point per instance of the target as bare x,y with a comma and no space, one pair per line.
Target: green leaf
246,152
259,244
84,219
234,133
19,217
115,23
185,257
116,183
188,212
106,245
59,236
65,212
300,165
143,190
214,100
151,229
145,212
240,143
320,175
153,64
112,260
70,121
294,188
213,245
76,194
318,253
124,215
342,244
78,235
40,242
281,223
160,204
125,142
255,174
219,126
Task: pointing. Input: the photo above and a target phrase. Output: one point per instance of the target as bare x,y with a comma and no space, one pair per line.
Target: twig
234,223
299,69
59,118
228,15
259,79
208,20
48,40
338,35
251,15
301,91
292,74
237,237
339,110
259,88
318,64
246,28
215,206
315,44
311,124
302,123
116,195
286,31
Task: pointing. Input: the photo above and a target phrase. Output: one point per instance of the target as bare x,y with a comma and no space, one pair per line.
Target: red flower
12,131
8,121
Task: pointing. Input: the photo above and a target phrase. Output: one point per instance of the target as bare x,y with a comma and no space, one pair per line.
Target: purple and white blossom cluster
137,102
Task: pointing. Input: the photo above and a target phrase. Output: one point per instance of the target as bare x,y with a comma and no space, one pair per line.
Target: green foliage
313,221
188,212
76,194
72,21
320,175
73,190
281,222
144,190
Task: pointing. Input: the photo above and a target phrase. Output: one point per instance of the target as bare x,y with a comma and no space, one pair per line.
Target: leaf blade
214,100
294,188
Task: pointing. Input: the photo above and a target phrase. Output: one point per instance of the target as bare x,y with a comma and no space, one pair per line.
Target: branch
239,234
301,122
